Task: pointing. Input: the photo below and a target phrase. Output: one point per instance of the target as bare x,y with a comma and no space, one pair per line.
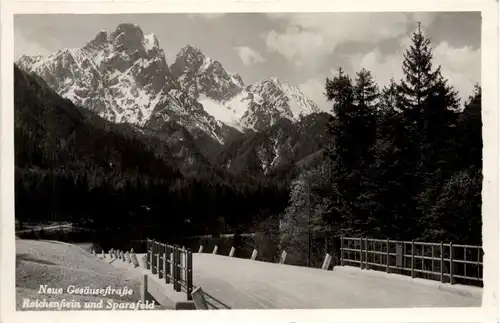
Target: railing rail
447,263
172,263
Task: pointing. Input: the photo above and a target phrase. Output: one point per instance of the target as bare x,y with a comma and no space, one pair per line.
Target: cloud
249,56
382,67
23,46
298,46
307,38
461,66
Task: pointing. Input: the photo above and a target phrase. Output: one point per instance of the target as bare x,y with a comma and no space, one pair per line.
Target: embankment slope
61,265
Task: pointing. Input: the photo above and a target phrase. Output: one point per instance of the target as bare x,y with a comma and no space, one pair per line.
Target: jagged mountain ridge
225,96
124,77
78,137
51,132
198,74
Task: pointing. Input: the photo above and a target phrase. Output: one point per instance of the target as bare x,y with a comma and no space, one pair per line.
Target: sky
301,49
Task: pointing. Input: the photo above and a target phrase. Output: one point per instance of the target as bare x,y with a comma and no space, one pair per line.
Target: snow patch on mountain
202,75
261,105
221,112
123,77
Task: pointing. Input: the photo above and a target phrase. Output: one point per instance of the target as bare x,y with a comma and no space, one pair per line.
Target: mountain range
196,107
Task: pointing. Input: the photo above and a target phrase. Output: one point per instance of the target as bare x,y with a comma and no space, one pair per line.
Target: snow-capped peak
151,42
202,75
124,77
189,50
261,105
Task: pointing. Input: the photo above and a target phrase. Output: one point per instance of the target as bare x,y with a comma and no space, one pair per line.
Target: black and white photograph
231,161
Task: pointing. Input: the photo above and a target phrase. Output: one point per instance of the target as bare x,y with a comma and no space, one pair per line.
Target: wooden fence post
341,250
441,266
413,259
174,267
189,278
231,252
103,254
215,250
168,263
153,257
326,262
366,253
283,257
451,263
201,249
133,258
254,254
199,299
148,251
361,253
177,265
160,256
178,269
432,256
165,263
144,288
387,256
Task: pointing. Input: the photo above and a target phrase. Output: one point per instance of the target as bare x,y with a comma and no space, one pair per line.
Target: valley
116,137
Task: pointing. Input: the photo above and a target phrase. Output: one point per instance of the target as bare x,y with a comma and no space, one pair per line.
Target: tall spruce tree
340,91
366,99
354,131
366,91
390,99
367,102
419,76
425,139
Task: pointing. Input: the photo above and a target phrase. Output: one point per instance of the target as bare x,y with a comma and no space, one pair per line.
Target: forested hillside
73,165
406,162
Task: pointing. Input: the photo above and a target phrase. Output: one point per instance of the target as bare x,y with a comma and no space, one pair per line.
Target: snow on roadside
60,265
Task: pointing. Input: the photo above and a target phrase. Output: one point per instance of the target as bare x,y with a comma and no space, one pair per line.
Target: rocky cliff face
123,76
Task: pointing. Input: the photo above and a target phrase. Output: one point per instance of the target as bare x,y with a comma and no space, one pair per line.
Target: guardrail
448,262
173,263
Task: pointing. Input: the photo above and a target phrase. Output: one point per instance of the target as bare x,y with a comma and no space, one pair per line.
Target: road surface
247,284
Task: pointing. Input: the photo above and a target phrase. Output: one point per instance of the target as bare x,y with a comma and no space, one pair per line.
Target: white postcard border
490,74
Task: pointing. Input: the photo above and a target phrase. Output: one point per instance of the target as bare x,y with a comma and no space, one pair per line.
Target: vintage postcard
335,162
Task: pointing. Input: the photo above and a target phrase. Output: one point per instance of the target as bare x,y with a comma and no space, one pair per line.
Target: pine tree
390,100
366,100
351,154
366,91
419,76
340,91
427,136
